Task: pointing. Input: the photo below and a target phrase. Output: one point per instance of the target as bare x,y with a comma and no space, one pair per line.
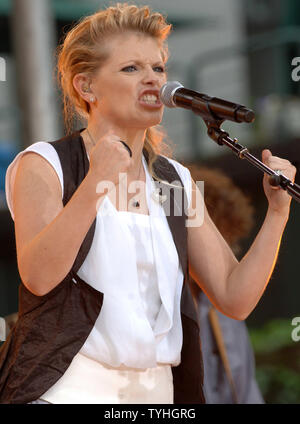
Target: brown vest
51,329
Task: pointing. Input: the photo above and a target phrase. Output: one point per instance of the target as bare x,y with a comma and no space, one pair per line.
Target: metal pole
276,179
33,28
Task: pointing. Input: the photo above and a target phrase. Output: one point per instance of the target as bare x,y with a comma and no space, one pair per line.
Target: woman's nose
150,76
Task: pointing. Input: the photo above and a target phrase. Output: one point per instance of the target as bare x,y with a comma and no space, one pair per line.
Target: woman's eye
128,67
160,68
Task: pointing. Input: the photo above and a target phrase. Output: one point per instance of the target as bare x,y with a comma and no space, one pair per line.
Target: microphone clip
214,131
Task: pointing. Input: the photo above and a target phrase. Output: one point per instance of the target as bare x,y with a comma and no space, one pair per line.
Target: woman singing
105,310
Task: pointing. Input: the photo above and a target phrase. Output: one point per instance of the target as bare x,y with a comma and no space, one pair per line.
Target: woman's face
133,69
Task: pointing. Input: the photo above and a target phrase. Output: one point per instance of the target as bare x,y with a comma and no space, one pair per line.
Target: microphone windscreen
167,92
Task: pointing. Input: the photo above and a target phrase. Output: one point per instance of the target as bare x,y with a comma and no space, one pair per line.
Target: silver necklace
135,202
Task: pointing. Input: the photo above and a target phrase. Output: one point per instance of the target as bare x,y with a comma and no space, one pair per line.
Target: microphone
174,94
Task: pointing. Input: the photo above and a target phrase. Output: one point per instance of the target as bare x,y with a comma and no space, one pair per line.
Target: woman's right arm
48,234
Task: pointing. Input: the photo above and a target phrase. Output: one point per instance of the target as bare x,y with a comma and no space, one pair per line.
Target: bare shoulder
36,173
37,197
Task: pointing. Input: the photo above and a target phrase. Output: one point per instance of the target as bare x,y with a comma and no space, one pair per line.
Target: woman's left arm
235,287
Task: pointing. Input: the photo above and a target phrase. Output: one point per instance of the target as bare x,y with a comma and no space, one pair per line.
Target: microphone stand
222,137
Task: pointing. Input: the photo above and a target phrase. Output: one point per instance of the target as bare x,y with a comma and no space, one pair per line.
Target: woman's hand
279,200
109,158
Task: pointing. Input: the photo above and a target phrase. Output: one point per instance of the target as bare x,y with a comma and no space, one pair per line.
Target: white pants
89,382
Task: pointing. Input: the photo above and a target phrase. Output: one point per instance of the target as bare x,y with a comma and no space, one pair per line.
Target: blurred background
243,51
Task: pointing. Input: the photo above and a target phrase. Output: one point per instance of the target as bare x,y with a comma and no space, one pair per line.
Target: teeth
150,98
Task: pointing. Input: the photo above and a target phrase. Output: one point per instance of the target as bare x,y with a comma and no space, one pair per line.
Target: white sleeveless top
133,261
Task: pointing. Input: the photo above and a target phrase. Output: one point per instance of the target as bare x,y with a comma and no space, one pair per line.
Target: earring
92,99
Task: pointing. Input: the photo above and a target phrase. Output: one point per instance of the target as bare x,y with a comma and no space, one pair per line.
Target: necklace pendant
136,204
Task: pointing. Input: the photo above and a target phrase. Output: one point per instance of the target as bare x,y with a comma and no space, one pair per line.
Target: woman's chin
143,121
153,120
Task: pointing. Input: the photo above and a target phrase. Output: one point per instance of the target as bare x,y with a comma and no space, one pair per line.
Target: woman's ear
81,84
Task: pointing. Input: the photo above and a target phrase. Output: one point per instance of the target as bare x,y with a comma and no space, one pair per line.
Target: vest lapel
188,375
175,216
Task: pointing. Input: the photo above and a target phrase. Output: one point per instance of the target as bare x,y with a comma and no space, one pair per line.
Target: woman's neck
134,138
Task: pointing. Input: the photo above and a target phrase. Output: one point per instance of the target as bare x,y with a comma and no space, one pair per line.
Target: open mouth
151,100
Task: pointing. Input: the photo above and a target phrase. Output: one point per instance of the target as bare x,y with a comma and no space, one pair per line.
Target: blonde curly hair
83,50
